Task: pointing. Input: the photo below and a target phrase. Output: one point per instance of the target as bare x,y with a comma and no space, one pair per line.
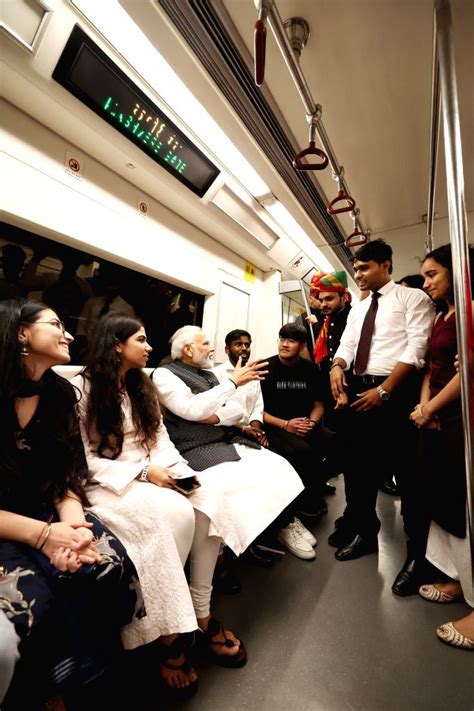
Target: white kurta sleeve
257,411
175,395
113,474
166,455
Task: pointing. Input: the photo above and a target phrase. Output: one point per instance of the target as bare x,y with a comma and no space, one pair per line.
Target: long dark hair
61,456
443,255
104,408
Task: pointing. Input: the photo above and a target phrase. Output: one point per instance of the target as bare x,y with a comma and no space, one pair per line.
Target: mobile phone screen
187,485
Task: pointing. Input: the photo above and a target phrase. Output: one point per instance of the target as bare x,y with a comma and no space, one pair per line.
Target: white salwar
254,490
156,525
452,555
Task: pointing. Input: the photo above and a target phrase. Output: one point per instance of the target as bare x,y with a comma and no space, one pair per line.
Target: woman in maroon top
439,415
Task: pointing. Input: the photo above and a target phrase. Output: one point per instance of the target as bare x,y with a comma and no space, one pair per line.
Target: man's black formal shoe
329,490
357,548
254,555
389,487
407,581
340,537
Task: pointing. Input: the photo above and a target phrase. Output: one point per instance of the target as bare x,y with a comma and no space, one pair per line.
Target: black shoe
389,487
258,557
329,490
225,581
340,537
407,581
357,548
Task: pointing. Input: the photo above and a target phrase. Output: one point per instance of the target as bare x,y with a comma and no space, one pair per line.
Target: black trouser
306,455
375,440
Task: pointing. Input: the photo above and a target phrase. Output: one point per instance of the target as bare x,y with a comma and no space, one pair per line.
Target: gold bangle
46,537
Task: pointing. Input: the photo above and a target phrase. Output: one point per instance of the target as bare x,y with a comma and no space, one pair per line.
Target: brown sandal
233,661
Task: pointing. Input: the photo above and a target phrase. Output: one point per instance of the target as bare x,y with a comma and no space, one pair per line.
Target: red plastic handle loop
356,239
310,151
260,42
341,197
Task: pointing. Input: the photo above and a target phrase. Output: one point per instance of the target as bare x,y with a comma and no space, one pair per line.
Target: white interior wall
100,214
408,244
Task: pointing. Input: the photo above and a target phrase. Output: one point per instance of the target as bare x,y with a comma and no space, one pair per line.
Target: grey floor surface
330,636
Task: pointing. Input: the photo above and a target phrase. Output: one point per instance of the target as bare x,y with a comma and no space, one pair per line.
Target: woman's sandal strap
182,666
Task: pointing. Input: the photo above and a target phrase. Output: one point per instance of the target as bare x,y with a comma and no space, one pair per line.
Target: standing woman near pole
439,415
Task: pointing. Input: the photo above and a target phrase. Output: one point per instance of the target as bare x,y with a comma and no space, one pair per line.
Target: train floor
331,636
321,636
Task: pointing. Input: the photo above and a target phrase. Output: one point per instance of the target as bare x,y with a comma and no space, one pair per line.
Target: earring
24,348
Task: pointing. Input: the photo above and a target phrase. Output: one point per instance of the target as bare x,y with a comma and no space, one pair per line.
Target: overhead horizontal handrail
298,163
267,10
341,197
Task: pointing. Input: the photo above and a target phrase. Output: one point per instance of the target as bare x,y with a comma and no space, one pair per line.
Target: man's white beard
202,361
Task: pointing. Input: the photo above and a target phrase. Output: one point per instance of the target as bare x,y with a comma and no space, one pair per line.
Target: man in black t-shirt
293,412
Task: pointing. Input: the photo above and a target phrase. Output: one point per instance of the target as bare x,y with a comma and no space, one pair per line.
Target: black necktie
366,334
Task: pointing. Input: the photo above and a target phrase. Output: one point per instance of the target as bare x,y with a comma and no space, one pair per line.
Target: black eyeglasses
56,323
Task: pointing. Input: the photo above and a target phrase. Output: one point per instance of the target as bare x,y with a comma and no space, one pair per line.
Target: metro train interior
137,145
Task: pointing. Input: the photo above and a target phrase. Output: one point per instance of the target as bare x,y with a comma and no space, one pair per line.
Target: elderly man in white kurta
257,484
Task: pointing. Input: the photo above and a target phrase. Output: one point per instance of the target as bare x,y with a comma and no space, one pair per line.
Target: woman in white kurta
133,466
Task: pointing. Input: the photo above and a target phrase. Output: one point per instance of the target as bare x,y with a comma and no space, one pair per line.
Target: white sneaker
295,542
303,531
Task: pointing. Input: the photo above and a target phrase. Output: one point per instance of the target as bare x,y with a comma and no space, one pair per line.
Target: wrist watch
144,473
384,395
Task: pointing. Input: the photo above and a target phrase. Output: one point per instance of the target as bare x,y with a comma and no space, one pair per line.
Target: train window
81,287
85,71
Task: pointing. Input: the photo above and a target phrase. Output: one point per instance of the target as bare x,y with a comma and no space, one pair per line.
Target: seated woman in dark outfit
66,582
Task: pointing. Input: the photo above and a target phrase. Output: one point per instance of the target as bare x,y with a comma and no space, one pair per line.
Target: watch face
385,395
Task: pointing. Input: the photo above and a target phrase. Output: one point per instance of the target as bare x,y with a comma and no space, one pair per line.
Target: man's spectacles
56,323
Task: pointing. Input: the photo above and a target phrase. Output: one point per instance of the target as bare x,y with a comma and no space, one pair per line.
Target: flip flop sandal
233,661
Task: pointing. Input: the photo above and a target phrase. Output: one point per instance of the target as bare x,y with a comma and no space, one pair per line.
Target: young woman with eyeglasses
66,582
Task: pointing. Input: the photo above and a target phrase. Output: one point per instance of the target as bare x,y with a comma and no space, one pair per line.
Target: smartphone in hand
187,485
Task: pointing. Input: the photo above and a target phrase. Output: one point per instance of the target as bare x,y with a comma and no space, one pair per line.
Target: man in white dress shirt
248,399
202,418
386,338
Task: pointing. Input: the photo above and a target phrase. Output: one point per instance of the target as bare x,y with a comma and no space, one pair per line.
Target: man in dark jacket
331,290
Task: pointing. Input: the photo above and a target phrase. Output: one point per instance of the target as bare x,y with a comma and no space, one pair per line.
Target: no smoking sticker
74,163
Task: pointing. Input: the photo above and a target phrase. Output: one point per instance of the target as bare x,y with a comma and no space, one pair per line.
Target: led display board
93,78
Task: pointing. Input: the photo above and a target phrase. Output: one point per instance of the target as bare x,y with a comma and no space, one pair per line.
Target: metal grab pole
434,135
459,242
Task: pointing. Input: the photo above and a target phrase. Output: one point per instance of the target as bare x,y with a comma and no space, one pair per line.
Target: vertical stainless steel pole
459,241
308,310
434,141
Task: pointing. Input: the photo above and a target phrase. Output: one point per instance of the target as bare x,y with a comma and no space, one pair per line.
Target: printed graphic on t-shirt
291,385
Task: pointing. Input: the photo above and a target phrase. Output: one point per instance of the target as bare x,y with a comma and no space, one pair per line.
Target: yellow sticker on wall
249,272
